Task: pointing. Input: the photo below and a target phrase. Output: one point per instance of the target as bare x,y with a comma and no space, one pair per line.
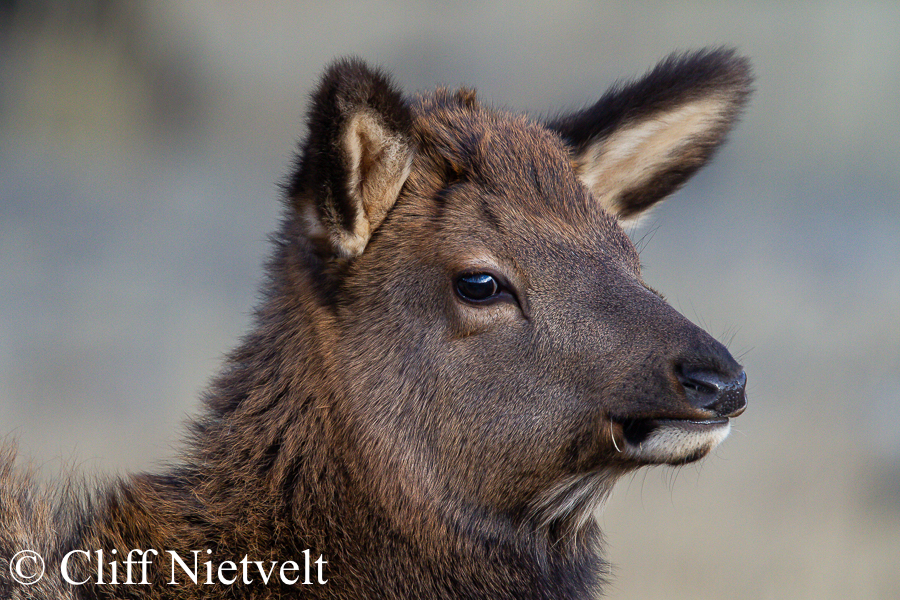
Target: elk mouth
670,441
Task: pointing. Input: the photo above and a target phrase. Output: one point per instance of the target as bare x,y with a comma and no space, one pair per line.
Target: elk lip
636,431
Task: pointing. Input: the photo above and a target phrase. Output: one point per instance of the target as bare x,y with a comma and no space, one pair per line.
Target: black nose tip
711,390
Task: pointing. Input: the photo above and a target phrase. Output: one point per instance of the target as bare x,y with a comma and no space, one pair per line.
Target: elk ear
645,138
355,160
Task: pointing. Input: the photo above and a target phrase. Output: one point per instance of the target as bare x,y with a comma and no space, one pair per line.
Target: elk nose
712,390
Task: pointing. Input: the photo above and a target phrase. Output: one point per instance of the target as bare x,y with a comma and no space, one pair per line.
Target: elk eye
477,287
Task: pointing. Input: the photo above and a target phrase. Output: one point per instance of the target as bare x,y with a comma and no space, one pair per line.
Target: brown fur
427,443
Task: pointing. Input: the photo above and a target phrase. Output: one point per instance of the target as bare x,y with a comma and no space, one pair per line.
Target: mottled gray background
141,143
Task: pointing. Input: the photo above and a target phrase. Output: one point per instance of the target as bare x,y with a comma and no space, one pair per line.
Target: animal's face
498,346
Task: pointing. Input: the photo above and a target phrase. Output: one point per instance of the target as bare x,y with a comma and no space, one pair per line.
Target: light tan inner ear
378,164
634,154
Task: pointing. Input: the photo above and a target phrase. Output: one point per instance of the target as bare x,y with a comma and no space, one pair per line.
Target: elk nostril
713,390
698,386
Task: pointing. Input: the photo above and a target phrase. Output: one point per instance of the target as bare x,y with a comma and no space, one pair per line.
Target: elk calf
454,361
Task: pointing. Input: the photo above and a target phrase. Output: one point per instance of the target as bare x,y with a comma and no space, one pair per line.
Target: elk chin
567,509
671,441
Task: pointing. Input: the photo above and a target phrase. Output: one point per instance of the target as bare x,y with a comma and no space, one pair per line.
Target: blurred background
141,144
